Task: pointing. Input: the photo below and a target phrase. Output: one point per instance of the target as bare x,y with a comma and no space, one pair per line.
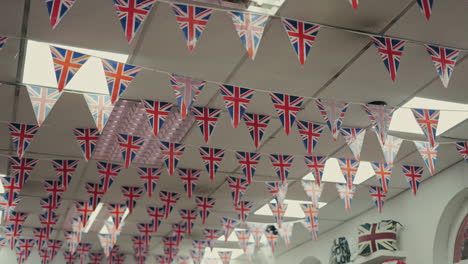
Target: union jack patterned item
278,189
171,155
65,170
192,21
444,59
212,158
428,153
11,198
238,188
413,175
156,214
70,257
142,242
100,107
83,251
310,133
301,35
211,235
3,41
282,164
349,169
204,205
23,249
390,51
106,243
189,178
249,27
378,196
57,9
426,7
380,117
116,212
278,211
42,100
383,172
21,169
257,230
54,246
132,15
55,190
316,166
256,124
160,259
390,148
87,139
95,258
118,76
169,199
44,255
243,236
206,120
186,91
184,260
170,248
354,137
285,232
272,237
377,236
312,225
333,113
287,107
149,177
248,162
313,191
120,257
243,209
132,194
189,217
197,257
48,220
157,113
84,210
12,232
72,239
40,236
129,146
225,256
311,214
107,172
228,225
236,99
66,64
354,3
346,193
95,192
428,121
462,148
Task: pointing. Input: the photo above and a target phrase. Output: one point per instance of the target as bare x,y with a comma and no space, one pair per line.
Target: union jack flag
310,133
11,198
228,225
428,153
132,14
206,120
66,64
225,256
312,225
3,41
42,100
301,35
131,193
171,155
278,211
248,162
378,196
272,237
444,60
390,148
106,243
156,214
57,10
55,189
83,251
84,210
316,165
250,29
170,248
186,91
257,125
383,172
179,230
380,117
311,216
189,178
54,246
212,158
129,146
184,260
116,212
145,229
16,228
169,199
243,236
462,148
390,51
354,3
21,169
160,259
236,100
333,113
197,257
95,258
95,192
65,170
346,193
39,234
313,191
211,235
70,257
189,216
139,259
287,107
413,175
243,209
11,233
238,188
118,75
192,21
48,220
285,232
44,254
257,230
157,113
23,249
426,7
204,205
100,107
354,137
349,169
278,189
87,138
107,172
149,177
428,121
120,257
282,164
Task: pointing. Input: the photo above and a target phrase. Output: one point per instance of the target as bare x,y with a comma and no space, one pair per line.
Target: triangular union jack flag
212,158
243,209
55,191
238,188
225,256
118,75
107,172
179,230
428,121
349,169
444,60
228,225
171,155
257,230
10,199
116,212
54,246
380,117
311,220
95,258
189,178
354,3
236,99
249,27
131,194
95,192
57,10
100,107
156,214
129,146
83,250
65,170
413,175
189,217
145,229
282,164
390,148
84,210
272,238
333,113
428,153
169,199
354,137
287,107
278,189
301,35
87,139
211,235
378,196
186,91
278,211
313,191
285,232
23,249
248,162
21,169
192,21
70,257
256,124
346,193
66,64
462,148
426,7
206,120
243,236
132,14
3,41
383,172
42,100
39,234
204,205
157,113
390,51
310,133
316,166
149,177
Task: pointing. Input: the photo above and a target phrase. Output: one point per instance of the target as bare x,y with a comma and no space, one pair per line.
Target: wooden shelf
379,257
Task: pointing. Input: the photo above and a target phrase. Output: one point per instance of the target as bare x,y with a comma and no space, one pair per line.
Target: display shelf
379,257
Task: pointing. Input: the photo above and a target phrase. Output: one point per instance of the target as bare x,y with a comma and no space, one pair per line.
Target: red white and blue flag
346,193
390,51
179,230
70,257
278,189
278,211
204,205
95,258
149,177
23,249
249,27
390,148
184,260
312,225
131,194
272,237
54,246
238,188
157,112
248,162
132,15
57,10
256,124
66,64
444,60
116,212
189,178
428,153
225,256
413,175
301,35
206,120
243,237
310,133
282,164
426,7
21,169
119,258
44,255
3,41
380,117
156,214
378,196
48,220
189,217
100,107
354,137
129,146
228,225
462,148
349,168
11,198
87,139
95,192
285,232
192,21
83,250
383,172
40,235
212,158
236,99
84,210
316,166
145,229
333,113
107,172
287,107
257,230
211,235
65,170
428,121
313,191
118,76
169,199
354,3
186,91
55,190
243,209
171,155
42,100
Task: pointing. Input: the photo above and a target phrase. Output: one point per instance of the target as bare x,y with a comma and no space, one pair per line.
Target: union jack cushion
378,236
